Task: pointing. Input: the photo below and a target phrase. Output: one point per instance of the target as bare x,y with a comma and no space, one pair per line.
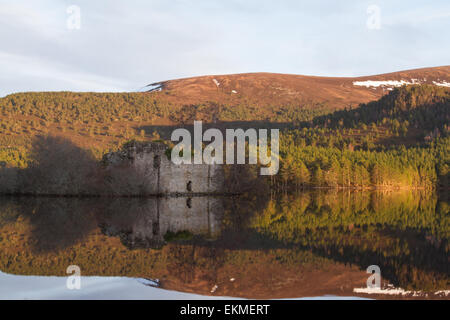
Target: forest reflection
186,239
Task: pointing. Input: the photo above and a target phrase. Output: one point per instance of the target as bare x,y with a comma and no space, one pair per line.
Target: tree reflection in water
196,242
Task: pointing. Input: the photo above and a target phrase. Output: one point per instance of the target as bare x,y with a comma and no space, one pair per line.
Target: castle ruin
160,176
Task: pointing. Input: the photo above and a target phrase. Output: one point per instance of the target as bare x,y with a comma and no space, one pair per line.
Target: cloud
125,45
34,74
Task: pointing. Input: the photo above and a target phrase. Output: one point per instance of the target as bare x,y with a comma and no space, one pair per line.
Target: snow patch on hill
442,84
389,84
155,87
152,87
385,83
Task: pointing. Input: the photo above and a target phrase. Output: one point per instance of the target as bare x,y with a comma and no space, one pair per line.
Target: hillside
399,139
271,89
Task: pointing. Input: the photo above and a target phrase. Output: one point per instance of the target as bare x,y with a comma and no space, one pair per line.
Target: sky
109,45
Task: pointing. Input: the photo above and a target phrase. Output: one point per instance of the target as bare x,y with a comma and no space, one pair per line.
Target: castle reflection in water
148,223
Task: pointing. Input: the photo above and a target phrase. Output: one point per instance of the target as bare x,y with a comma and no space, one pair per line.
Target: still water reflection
312,243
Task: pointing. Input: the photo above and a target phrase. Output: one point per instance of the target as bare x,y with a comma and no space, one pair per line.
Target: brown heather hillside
273,89
306,109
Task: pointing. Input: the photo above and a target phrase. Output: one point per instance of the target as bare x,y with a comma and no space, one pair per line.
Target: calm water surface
303,245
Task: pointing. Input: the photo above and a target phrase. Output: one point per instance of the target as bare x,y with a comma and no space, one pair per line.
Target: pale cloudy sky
124,45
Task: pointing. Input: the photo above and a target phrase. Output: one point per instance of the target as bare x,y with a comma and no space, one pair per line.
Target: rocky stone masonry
162,175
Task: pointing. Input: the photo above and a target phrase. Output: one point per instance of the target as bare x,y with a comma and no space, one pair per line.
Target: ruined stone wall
165,177
194,178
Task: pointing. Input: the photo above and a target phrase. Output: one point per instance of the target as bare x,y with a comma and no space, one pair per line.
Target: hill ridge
265,88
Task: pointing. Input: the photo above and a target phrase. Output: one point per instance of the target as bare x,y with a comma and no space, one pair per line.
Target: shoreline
224,194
